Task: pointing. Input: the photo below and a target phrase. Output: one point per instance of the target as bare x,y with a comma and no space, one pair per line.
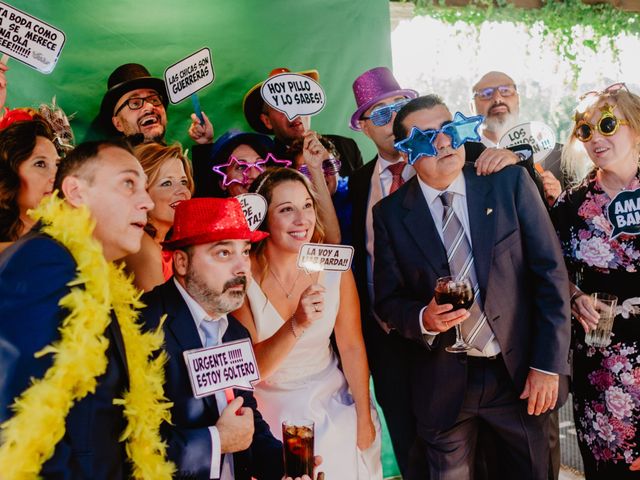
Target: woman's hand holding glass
585,312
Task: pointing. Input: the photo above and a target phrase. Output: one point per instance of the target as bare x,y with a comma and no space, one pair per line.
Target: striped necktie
475,329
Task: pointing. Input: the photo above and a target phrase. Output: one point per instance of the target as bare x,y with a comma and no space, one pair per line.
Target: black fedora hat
125,78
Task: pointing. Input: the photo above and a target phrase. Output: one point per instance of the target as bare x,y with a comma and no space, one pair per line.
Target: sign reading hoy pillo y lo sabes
229,365
29,39
189,75
293,94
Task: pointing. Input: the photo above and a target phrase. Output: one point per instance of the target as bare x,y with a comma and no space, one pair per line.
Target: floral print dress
606,381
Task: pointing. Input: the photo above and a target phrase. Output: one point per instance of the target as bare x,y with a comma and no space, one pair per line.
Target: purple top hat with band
373,86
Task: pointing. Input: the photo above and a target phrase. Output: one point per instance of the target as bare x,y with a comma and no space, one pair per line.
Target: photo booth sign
189,75
29,39
315,257
229,365
537,134
293,94
254,207
624,213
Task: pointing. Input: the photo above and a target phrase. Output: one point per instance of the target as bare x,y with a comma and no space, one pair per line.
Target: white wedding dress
309,384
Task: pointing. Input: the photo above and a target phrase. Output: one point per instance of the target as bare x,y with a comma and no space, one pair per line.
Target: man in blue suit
35,274
208,439
495,230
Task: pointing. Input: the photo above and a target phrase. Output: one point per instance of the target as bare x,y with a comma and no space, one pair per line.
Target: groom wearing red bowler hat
210,437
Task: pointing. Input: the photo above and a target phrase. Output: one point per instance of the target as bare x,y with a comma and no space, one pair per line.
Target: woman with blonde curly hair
606,380
169,182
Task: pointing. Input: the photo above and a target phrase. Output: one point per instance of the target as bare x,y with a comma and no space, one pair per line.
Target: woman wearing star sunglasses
606,380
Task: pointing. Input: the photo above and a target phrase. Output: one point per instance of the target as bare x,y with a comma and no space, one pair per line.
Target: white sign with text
314,257
229,365
537,134
189,75
29,39
293,94
254,207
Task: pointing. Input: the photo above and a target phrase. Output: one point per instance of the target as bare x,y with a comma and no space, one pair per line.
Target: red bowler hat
207,220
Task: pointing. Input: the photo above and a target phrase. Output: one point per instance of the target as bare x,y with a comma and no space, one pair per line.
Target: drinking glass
297,445
459,293
605,305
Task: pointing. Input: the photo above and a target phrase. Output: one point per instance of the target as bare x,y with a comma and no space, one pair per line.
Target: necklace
284,290
617,188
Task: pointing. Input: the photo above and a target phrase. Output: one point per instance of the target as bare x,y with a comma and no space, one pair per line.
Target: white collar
383,163
458,186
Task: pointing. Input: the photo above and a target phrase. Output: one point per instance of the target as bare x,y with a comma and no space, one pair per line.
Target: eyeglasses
330,166
136,103
610,90
381,115
503,90
607,125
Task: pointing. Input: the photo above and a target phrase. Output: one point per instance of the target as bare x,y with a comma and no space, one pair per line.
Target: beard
500,123
215,303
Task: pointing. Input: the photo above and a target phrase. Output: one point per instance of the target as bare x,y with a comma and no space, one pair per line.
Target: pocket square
489,211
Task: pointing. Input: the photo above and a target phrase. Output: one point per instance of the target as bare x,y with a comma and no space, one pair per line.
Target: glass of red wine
459,293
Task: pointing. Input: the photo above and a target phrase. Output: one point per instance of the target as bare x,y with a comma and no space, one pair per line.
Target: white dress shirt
458,186
199,315
431,195
386,177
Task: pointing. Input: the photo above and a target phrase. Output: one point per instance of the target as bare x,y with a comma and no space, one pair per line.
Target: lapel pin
489,211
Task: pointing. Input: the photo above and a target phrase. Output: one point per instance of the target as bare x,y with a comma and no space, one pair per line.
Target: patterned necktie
396,175
210,329
475,329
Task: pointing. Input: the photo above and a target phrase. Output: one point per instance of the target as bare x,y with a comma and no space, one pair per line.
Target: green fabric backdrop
248,38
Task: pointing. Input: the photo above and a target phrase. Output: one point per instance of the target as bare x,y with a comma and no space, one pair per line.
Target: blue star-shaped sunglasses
420,142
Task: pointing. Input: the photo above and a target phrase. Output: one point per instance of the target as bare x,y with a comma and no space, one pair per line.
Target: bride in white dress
291,315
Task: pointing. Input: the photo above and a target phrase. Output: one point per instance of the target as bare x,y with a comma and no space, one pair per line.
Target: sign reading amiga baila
624,213
29,39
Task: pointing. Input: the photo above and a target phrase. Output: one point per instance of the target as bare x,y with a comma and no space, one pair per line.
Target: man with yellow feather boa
80,392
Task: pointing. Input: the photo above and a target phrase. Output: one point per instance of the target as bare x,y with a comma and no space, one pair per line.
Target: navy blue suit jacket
34,273
521,274
189,438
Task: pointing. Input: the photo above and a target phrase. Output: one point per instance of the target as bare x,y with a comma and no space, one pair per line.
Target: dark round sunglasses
607,125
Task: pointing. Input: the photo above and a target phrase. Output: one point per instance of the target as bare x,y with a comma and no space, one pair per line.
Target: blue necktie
210,328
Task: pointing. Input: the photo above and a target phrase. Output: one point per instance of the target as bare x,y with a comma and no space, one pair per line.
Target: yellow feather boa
29,437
